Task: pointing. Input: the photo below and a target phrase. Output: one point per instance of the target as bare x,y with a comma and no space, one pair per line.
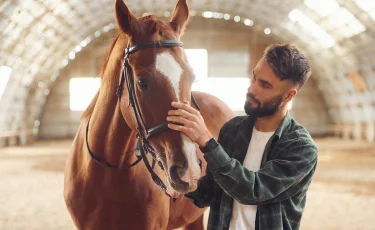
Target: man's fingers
175,127
181,113
180,128
178,119
184,106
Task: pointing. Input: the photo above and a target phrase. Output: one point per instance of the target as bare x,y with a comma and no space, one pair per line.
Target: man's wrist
204,141
210,145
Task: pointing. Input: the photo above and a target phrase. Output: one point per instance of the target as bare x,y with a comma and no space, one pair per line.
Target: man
259,170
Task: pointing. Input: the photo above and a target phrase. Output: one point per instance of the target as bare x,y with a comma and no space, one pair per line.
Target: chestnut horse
109,182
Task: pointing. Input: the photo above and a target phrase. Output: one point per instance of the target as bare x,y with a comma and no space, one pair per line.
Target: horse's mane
90,108
107,55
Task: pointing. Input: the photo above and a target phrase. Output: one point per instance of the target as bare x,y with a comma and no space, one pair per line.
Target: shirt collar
248,121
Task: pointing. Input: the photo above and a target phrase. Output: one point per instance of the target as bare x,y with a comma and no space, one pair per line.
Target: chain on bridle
143,134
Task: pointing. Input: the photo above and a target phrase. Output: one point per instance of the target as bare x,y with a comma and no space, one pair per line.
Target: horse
126,169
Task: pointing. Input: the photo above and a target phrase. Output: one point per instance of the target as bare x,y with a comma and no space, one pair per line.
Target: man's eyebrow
263,81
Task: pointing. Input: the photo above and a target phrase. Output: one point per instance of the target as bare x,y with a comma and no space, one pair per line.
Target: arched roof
39,37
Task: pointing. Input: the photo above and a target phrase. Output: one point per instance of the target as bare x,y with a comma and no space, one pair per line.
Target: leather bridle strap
104,163
160,44
143,134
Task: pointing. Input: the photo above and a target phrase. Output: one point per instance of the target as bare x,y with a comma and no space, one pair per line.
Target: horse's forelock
150,25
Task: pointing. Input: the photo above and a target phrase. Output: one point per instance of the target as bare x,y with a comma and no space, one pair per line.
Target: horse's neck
110,138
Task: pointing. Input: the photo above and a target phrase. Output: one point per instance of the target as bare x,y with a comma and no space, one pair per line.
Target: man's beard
268,108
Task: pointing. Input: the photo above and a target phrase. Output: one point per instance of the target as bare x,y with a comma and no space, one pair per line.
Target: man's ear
180,17
125,19
290,95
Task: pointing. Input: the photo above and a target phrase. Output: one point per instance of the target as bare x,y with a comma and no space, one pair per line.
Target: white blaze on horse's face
169,67
194,172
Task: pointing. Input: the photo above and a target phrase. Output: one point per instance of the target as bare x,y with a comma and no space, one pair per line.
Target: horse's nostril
176,173
200,163
178,170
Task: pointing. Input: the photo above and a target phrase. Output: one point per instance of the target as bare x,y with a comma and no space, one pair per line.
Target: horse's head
160,76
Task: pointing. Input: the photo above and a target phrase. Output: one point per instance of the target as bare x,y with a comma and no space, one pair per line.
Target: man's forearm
272,183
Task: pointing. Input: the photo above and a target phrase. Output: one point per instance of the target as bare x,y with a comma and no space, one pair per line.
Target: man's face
267,108
266,92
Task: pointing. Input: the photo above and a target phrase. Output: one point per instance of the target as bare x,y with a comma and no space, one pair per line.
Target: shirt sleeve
277,180
204,194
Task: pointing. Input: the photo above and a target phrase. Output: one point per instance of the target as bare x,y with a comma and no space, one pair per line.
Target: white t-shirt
243,216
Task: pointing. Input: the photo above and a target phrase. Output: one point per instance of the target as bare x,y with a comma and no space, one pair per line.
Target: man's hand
192,123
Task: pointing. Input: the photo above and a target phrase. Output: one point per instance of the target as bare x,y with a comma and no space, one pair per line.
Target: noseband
143,134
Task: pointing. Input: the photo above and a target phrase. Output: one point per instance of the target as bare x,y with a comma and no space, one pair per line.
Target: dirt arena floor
341,197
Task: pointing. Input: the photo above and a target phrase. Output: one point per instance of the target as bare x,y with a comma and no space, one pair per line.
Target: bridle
143,134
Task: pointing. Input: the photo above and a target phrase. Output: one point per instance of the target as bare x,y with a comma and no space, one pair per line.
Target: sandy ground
342,195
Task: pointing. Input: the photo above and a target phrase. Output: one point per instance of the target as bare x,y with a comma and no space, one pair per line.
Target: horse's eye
142,84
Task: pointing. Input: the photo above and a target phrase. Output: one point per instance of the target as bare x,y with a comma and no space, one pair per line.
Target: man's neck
270,123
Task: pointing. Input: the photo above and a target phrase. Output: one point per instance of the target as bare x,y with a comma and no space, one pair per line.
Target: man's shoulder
234,122
298,133
229,129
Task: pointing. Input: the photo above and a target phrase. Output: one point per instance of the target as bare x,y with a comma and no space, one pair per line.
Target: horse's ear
180,17
126,21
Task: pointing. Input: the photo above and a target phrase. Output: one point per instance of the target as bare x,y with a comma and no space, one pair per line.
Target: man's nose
252,88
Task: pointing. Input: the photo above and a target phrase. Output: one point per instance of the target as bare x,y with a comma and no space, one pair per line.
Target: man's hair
288,63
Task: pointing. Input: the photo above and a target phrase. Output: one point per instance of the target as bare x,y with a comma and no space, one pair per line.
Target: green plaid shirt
278,188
